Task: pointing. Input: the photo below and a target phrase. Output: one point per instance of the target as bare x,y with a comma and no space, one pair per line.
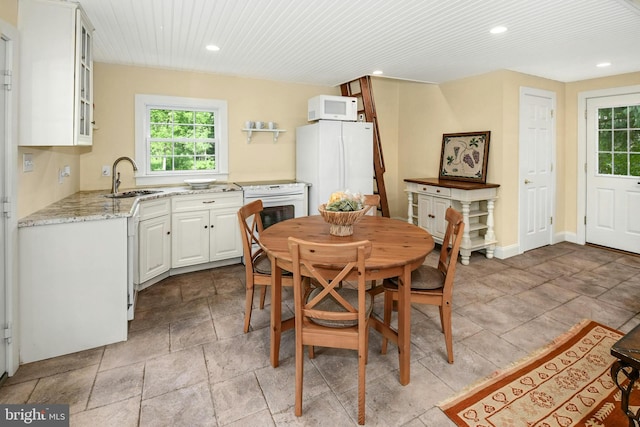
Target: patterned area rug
567,383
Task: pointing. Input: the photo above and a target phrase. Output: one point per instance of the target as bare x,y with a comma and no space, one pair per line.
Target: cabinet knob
206,226
168,232
211,226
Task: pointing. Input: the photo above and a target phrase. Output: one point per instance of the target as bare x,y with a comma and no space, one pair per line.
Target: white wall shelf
276,133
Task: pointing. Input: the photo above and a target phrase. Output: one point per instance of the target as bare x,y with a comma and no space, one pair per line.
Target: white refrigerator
333,155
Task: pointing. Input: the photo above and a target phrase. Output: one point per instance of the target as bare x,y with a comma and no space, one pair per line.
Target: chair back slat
451,246
251,226
328,265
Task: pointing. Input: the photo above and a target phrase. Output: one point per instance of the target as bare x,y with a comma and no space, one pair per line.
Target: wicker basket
341,223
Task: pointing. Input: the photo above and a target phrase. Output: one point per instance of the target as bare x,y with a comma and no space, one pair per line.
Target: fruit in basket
345,201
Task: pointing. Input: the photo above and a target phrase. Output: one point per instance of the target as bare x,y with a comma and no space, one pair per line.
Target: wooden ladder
361,89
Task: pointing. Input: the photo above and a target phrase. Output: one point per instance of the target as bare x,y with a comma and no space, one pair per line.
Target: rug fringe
500,373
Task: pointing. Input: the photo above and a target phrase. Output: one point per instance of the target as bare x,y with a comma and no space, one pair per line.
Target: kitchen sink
132,193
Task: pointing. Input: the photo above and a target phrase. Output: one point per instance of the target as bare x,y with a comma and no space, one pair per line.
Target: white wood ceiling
328,42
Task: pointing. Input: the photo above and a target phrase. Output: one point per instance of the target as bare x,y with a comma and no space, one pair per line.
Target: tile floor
187,362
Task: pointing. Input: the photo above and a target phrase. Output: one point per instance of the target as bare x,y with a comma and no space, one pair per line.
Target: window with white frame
179,138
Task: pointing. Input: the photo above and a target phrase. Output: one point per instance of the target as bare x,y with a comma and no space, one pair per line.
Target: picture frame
465,156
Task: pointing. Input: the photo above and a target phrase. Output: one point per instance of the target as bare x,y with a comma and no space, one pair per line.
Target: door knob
526,181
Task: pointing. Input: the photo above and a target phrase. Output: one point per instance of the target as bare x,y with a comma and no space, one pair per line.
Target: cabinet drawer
436,191
206,201
155,208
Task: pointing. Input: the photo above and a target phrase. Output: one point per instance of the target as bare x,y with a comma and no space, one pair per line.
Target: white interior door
613,172
537,179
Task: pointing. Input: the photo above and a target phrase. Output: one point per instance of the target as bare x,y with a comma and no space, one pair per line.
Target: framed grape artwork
465,156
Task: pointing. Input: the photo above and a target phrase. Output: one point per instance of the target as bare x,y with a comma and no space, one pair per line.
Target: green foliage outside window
619,141
182,140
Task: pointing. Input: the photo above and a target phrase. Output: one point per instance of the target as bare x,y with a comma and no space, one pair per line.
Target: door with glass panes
613,172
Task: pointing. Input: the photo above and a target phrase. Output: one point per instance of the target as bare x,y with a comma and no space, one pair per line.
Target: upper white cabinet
56,74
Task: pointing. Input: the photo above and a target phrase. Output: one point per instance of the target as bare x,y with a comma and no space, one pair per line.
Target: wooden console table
429,199
627,350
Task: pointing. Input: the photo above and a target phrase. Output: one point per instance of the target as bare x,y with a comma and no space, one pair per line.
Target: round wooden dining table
398,248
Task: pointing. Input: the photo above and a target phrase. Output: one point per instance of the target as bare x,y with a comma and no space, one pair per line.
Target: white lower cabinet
431,214
429,199
73,287
154,239
205,228
191,241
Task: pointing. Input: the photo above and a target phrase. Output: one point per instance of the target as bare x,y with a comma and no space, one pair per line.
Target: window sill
176,180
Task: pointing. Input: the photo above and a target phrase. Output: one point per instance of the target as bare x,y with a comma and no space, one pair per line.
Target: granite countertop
93,205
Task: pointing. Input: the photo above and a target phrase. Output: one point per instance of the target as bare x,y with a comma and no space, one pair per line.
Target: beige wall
487,102
412,118
248,99
115,87
9,11
386,98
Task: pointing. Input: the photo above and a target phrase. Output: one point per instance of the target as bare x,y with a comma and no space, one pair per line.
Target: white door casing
9,358
612,198
3,178
536,176
581,155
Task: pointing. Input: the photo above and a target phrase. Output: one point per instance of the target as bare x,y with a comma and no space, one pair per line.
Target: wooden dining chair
372,200
257,265
328,314
433,285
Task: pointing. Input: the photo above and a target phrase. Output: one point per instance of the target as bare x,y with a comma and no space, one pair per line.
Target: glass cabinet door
85,75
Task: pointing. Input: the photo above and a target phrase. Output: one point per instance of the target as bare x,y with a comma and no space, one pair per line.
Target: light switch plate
27,162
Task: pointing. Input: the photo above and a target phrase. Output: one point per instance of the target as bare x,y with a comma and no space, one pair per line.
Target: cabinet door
225,234
425,207
190,242
431,215
154,252
84,80
440,207
56,74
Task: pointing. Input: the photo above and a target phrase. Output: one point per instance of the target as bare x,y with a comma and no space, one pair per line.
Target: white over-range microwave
328,107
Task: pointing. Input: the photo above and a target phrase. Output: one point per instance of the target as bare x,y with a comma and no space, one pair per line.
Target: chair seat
425,278
330,304
262,265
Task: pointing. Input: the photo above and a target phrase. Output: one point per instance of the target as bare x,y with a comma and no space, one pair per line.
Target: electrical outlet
106,171
27,162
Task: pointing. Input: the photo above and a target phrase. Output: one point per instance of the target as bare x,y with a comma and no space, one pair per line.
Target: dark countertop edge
120,208
449,183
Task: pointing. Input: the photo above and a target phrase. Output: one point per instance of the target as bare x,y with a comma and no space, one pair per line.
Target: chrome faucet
115,176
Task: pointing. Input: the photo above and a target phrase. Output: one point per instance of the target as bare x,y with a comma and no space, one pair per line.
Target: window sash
619,141
218,137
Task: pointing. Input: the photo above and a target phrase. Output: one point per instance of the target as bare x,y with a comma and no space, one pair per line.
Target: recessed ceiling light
212,48
498,30
377,72
603,64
